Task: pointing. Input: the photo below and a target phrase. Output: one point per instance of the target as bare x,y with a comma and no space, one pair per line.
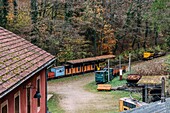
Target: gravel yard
75,99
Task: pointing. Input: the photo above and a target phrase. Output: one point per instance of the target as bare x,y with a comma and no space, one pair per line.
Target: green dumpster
101,76
110,73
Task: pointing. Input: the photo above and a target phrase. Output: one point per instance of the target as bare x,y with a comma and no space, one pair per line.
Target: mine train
151,55
81,66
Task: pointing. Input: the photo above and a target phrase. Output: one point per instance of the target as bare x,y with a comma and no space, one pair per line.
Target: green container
110,73
101,76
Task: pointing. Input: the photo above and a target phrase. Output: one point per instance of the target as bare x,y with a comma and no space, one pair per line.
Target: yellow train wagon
126,103
148,55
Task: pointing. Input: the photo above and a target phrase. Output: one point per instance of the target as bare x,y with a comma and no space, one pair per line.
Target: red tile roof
91,59
18,58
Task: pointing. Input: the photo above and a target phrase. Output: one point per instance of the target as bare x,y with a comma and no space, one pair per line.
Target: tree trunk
156,34
4,13
146,34
15,10
34,12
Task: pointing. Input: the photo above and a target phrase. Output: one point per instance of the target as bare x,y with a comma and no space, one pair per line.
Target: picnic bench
104,87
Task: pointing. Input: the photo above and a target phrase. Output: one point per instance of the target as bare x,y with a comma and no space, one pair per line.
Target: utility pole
129,68
108,71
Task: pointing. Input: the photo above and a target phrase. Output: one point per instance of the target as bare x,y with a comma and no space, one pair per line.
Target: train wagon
126,103
79,66
151,55
58,71
101,76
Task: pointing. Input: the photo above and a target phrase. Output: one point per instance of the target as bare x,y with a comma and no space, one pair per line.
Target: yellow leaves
10,1
108,40
10,16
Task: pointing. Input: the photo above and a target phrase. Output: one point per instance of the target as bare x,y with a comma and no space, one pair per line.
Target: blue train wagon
58,71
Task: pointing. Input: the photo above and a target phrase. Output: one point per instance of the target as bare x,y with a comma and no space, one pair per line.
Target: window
17,102
129,105
38,90
68,70
78,68
4,107
93,66
84,68
28,99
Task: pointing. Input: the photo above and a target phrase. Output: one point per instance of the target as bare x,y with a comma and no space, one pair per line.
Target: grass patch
53,104
117,82
92,87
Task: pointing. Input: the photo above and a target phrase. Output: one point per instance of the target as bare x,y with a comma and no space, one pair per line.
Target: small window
78,68
84,68
4,107
68,70
124,103
38,90
28,99
17,102
93,66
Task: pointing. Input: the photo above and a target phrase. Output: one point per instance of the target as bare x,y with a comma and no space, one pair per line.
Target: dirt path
77,100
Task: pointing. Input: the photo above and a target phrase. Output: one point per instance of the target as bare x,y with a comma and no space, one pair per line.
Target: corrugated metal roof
18,58
91,59
155,107
153,80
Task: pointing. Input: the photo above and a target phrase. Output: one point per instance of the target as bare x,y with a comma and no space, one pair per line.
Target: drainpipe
163,90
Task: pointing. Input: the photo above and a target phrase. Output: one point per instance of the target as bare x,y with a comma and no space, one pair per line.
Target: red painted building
23,66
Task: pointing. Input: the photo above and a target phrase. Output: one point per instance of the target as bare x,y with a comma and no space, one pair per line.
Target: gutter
26,78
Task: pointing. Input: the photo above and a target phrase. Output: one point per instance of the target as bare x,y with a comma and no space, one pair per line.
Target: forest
74,29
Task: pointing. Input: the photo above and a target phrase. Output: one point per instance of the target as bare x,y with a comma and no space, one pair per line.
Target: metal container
101,76
110,73
132,79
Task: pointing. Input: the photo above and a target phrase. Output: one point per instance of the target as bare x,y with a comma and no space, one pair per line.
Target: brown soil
75,99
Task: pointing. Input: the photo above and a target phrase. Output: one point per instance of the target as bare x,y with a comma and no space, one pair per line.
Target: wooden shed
152,87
